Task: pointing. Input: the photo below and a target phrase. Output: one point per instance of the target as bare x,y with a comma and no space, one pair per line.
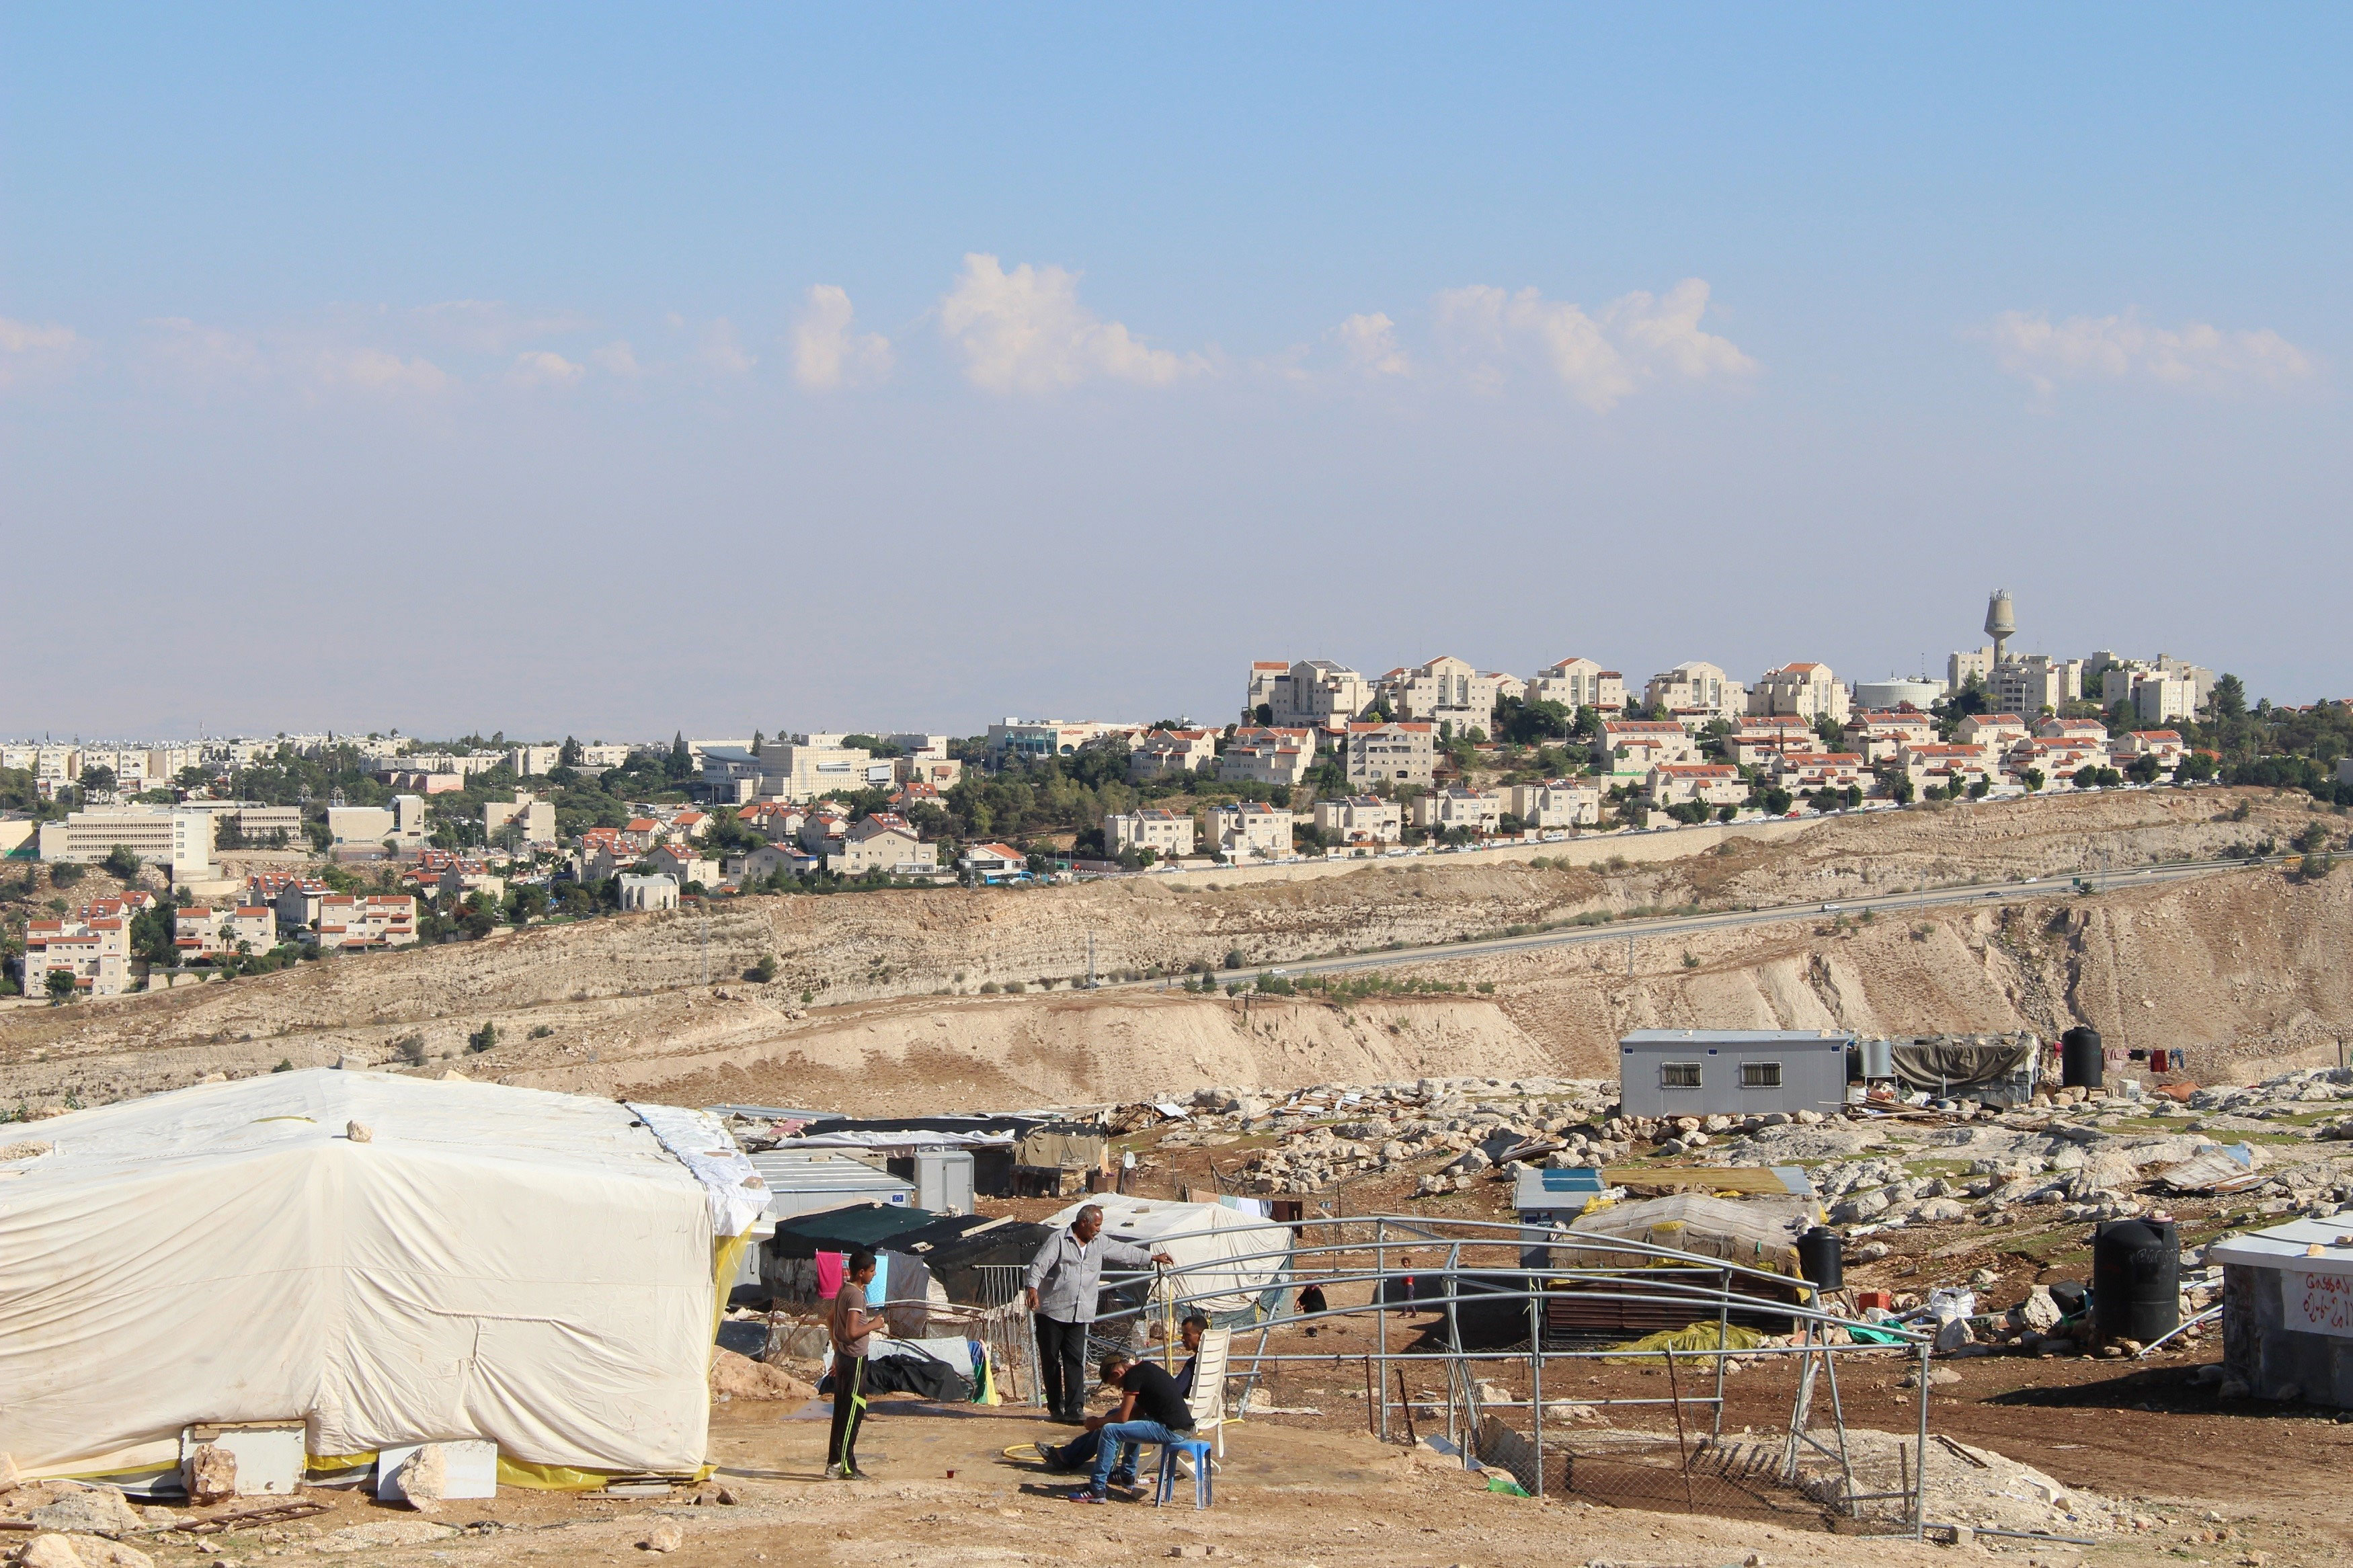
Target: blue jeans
1079,1454
1130,1436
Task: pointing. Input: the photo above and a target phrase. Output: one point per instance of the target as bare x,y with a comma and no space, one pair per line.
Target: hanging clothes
830,1268
877,1290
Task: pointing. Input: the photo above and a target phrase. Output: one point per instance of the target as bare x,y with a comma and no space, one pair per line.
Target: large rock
96,1510
424,1479
2039,1311
212,1474
95,1553
50,1552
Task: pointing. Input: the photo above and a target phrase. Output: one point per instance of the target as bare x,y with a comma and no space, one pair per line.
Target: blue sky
613,371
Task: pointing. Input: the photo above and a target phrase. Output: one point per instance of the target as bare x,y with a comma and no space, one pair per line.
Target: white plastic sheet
505,1263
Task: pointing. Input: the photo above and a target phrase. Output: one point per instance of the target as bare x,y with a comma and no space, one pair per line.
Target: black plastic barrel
2079,1058
1821,1258
2136,1278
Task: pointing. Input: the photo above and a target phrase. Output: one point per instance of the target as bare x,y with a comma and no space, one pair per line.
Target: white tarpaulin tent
1232,1258
535,1269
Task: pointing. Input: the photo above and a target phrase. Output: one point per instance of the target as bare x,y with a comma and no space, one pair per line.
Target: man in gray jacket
1064,1281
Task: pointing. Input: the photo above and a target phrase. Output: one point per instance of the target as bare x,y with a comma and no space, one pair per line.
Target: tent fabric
1758,1232
700,1142
1232,1260
871,1226
1938,1066
504,1264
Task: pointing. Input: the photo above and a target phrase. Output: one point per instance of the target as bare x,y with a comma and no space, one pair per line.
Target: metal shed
2287,1311
1732,1072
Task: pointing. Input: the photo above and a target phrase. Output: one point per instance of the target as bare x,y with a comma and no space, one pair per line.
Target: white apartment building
1446,691
176,837
532,819
886,843
1698,690
598,757
1360,819
2177,689
258,825
1399,752
1555,803
2165,745
530,762
1478,811
96,952
1576,683
803,767
1314,693
202,933
1960,669
356,825
1162,753
648,892
674,860
2034,683
1711,783
1806,772
1806,692
1250,830
1167,833
1629,747
1276,757
348,922
1880,734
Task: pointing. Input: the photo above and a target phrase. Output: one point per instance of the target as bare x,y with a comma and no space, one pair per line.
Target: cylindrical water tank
2079,1058
2136,1278
1821,1258
1878,1061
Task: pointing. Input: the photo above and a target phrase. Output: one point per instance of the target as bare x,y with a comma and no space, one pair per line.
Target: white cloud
489,326
617,358
825,353
376,370
1369,344
27,350
717,348
2193,356
1025,330
538,367
1601,357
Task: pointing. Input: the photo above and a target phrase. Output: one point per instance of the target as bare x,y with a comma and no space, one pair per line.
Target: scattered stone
359,1132
48,1551
95,1553
382,1534
92,1510
665,1536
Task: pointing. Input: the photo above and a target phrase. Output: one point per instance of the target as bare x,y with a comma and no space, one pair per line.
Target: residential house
298,900
531,818
1167,834
1947,765
1576,683
1993,733
1314,693
1763,742
2165,745
769,860
774,820
1696,691
994,863
1711,784
349,922
655,892
1165,753
1280,758
908,796
642,832
683,863
823,828
96,953
1399,752
1879,735
883,843
1360,819
1808,691
2055,760
1628,749
200,932
1445,692
1555,803
1476,811
1250,830
1804,773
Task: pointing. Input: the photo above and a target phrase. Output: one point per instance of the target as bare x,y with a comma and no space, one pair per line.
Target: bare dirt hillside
2242,964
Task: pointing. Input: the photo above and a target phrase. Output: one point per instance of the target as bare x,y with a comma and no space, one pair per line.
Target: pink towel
830,1267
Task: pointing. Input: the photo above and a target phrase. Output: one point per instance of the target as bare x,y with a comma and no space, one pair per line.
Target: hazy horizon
611,373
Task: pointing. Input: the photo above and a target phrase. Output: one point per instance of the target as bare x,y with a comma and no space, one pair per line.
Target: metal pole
1723,1343
1536,1373
1920,1476
1675,1392
1381,1318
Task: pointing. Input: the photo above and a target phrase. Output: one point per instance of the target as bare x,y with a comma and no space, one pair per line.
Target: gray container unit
813,1180
943,1180
1731,1072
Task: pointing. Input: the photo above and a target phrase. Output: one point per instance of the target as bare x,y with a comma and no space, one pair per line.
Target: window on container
1760,1075
1679,1075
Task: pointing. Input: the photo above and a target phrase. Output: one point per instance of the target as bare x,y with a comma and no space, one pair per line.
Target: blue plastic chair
1198,1448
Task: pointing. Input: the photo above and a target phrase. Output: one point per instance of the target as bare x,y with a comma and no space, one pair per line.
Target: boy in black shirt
1151,1410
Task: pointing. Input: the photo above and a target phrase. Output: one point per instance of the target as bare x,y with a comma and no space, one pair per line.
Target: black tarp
1940,1066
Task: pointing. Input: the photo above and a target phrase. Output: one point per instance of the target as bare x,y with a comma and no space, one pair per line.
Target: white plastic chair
1208,1402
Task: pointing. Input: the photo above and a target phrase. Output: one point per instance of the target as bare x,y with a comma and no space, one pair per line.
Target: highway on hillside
2062,886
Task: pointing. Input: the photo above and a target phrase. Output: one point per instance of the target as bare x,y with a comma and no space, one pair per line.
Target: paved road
2056,887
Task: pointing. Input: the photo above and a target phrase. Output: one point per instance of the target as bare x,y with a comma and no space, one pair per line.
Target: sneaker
856,1474
833,1472
1122,1478
1086,1494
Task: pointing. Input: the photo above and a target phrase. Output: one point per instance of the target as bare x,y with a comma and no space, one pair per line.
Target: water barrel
2136,1278
2079,1058
1821,1258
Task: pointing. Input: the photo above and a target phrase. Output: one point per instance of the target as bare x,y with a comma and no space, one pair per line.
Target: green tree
120,862
61,985
98,780
1776,801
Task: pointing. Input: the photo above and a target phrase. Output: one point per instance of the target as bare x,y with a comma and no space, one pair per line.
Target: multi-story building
938,773
2165,745
530,761
1939,765
1280,758
803,767
1695,692
1035,739
201,933
679,861
2175,689
95,953
596,758
1576,683
298,901
177,836
1806,692
1167,834
1360,819
1995,733
1445,692
350,922
1161,753
1555,803
1881,733
1250,830
1314,693
1762,742
1628,749
883,843
1477,811
1711,784
1803,773
1960,669
356,825
1399,752
2036,683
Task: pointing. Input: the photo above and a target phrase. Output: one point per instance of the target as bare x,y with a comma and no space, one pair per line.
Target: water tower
2001,623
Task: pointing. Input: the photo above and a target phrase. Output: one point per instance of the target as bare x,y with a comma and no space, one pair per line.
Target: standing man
1064,1280
853,1328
